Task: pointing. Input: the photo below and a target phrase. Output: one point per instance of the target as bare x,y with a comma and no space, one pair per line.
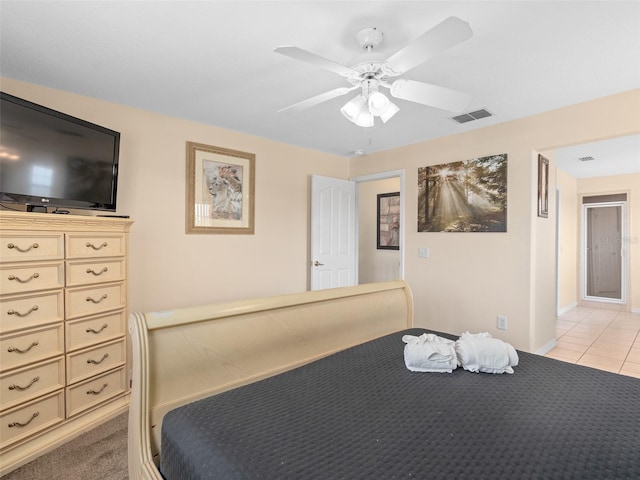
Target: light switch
423,252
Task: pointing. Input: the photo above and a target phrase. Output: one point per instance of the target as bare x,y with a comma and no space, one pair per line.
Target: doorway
324,260
321,275
603,252
378,230
373,264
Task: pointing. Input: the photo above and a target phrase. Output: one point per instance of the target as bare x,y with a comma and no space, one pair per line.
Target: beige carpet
100,454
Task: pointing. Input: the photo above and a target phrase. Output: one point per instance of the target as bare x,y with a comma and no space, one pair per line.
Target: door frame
558,252
400,174
623,253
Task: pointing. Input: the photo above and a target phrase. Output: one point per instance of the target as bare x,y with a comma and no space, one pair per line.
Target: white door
333,233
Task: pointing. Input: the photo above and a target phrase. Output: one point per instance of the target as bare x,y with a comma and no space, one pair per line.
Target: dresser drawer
92,361
20,349
18,246
83,245
25,384
80,301
83,396
20,278
28,419
31,310
89,272
89,331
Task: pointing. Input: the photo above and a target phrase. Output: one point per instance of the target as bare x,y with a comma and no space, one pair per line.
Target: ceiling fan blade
323,97
317,60
431,95
443,36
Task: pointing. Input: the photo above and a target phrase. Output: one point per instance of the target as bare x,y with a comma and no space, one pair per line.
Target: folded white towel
482,353
429,353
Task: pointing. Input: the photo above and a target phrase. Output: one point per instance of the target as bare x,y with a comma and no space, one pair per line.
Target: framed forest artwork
465,196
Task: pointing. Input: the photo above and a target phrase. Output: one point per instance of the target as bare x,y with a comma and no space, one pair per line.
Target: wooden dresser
64,365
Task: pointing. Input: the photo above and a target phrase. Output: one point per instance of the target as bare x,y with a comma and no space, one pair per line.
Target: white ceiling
609,157
213,61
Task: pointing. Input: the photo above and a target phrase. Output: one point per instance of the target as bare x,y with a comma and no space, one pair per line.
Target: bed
314,386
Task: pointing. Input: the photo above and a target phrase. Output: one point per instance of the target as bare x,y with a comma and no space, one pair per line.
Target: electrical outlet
423,252
502,322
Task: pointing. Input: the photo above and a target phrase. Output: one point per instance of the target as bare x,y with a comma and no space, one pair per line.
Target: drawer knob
93,300
91,245
18,424
18,387
12,246
11,311
92,330
98,362
17,350
104,270
97,392
20,280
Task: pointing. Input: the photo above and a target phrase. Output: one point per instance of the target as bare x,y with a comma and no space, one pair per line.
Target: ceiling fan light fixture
373,69
353,108
391,110
381,106
357,111
378,103
365,119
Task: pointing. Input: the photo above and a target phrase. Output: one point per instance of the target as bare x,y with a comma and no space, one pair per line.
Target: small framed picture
543,187
388,221
220,190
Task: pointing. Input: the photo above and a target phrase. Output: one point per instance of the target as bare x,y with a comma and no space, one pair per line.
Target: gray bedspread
360,414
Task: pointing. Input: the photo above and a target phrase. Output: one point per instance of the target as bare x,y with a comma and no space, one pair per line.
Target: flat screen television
51,159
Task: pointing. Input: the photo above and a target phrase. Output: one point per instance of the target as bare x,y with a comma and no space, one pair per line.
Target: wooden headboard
190,353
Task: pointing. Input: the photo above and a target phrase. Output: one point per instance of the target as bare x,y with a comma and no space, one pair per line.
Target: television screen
53,159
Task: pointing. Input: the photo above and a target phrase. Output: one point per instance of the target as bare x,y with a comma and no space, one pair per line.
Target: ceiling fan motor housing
369,38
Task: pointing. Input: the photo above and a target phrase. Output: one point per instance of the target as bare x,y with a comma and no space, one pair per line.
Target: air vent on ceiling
586,159
471,116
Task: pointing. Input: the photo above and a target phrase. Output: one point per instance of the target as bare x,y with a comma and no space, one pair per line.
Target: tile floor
603,339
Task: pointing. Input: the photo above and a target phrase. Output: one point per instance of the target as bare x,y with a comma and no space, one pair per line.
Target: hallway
603,339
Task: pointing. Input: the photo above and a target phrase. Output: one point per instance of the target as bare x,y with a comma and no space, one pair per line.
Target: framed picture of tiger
220,190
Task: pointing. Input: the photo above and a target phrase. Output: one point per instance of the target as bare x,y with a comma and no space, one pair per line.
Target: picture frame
220,190
388,221
543,187
466,196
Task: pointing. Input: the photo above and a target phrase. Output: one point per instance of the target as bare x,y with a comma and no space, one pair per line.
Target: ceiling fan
369,73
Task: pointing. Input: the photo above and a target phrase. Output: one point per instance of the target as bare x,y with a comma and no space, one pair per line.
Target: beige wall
374,265
468,278
569,238
472,277
169,268
542,270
